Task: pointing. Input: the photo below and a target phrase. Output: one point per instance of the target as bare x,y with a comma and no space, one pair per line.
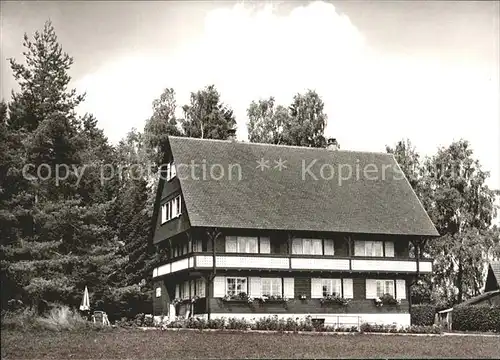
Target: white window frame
307,246
271,286
158,292
185,288
369,248
384,286
171,171
171,209
332,286
243,244
243,283
197,245
200,288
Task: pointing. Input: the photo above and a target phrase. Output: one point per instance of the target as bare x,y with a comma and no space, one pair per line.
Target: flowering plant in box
303,297
388,299
334,299
273,298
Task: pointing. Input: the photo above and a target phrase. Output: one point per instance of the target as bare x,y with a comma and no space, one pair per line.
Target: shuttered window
307,246
192,284
231,244
371,289
288,288
316,289
385,287
255,287
177,291
389,248
236,286
185,290
197,246
348,289
271,287
245,244
401,289
200,288
164,213
171,209
265,245
368,248
331,287
171,171
219,286
329,247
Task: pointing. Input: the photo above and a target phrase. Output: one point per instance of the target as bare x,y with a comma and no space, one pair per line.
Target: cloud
254,51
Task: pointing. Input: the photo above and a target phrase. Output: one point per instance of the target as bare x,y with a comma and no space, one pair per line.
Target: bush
413,329
59,318
476,318
423,314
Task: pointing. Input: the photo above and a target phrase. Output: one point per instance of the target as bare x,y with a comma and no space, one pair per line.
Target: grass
139,344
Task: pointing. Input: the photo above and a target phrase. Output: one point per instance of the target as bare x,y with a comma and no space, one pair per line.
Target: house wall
308,306
175,226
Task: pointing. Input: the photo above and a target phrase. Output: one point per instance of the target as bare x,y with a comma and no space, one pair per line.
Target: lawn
139,344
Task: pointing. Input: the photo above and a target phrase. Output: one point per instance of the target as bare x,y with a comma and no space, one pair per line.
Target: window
185,290
331,287
171,171
368,248
307,246
200,288
197,247
329,247
271,286
385,287
236,286
171,209
158,292
241,244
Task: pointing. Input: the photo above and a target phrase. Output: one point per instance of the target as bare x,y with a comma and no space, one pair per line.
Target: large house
249,230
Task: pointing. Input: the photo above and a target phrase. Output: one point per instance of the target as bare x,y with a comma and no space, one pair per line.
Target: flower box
334,300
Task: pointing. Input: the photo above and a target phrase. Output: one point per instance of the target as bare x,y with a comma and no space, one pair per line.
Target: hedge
423,315
476,318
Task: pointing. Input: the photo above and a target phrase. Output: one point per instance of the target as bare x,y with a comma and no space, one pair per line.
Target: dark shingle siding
272,199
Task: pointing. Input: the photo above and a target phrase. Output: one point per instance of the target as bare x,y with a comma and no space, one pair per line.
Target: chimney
332,144
231,134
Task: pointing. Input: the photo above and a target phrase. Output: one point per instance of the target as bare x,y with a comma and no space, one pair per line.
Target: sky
423,70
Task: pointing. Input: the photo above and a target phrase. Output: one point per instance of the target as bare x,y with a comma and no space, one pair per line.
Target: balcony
204,261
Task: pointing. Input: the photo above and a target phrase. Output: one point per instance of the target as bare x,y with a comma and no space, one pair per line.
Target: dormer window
171,171
171,209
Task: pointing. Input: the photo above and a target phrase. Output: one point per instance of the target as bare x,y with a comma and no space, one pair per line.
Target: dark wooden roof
493,276
285,200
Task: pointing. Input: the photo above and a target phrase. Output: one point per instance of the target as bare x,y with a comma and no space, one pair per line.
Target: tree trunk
459,281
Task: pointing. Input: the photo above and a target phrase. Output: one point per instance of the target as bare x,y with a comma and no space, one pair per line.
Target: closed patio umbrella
85,306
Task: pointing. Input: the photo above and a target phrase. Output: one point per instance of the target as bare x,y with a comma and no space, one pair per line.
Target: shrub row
476,318
413,329
423,315
272,323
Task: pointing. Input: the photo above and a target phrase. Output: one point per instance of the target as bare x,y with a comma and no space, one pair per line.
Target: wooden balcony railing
293,262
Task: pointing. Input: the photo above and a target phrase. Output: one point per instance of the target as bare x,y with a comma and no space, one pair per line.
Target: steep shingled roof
287,200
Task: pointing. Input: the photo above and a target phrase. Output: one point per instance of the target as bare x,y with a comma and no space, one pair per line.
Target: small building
491,295
250,230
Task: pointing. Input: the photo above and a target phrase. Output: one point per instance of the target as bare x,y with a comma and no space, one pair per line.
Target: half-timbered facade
249,230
